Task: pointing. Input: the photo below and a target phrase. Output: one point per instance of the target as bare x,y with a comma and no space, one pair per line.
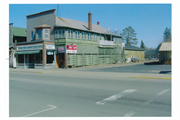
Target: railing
106,42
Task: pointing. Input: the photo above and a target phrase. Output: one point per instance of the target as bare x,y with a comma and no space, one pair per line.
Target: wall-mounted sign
60,50
30,47
50,46
49,53
71,49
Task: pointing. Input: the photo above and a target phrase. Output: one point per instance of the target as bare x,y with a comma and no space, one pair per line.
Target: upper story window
89,36
39,34
83,35
59,33
77,34
70,33
32,35
46,33
117,40
95,37
99,37
42,32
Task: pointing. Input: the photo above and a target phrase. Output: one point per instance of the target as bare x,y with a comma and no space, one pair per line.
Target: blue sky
148,20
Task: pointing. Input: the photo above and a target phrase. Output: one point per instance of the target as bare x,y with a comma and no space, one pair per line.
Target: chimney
90,21
98,23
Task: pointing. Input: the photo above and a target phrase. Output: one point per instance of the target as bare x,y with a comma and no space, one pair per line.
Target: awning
28,52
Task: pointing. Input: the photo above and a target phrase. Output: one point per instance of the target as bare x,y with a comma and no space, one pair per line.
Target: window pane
39,34
46,35
46,30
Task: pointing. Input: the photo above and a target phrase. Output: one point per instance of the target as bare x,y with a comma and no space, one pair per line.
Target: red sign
71,48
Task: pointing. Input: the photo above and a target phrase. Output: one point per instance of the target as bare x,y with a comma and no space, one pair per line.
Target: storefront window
50,57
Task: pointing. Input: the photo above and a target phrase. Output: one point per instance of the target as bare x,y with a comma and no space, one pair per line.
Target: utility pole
58,13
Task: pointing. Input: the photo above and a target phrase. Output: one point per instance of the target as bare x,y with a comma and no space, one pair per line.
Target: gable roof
133,48
65,22
20,32
165,46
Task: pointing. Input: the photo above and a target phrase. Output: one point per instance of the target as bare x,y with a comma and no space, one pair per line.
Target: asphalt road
136,68
87,95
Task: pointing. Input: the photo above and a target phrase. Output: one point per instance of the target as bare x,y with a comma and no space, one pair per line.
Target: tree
142,45
129,36
167,34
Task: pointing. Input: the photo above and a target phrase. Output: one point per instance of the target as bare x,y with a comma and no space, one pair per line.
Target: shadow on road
152,63
164,72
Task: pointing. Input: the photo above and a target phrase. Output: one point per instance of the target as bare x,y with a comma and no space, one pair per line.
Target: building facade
132,51
73,43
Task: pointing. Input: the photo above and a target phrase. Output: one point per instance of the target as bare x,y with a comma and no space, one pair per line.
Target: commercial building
54,41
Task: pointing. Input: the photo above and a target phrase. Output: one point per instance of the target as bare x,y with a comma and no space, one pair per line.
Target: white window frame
95,37
46,33
84,35
56,33
77,34
89,36
70,33
60,33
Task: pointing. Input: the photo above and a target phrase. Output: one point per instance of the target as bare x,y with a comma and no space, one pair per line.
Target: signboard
30,47
50,46
60,50
49,53
71,49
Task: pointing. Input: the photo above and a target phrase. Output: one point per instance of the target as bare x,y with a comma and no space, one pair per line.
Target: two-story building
54,41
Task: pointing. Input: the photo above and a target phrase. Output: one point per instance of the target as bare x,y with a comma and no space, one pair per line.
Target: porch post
44,54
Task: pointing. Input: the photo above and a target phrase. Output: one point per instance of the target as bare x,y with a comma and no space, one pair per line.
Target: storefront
36,55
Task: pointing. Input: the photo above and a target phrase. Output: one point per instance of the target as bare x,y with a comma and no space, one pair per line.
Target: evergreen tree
129,36
142,45
167,34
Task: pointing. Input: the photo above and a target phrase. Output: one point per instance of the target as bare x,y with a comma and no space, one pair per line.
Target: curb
150,77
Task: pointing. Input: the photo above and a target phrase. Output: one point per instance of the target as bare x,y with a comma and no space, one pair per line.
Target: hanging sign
71,48
60,50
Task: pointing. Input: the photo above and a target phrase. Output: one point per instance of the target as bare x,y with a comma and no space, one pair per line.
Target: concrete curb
150,77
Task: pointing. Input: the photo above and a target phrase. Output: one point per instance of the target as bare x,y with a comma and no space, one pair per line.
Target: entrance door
60,60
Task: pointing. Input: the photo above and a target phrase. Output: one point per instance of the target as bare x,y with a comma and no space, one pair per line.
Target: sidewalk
76,72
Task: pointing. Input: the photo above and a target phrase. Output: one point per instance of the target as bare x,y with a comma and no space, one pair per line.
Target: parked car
134,59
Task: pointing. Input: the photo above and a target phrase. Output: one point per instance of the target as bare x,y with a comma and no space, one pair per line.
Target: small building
151,54
133,51
165,53
16,35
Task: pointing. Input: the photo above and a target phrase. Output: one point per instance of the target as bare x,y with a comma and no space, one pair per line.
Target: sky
148,20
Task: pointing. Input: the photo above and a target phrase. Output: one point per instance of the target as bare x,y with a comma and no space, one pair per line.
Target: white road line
115,97
52,107
164,91
129,114
160,93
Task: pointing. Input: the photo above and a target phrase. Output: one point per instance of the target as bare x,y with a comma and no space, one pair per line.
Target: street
75,93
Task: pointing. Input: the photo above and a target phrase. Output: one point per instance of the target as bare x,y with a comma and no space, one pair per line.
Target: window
83,35
59,33
56,34
89,36
99,37
39,34
46,33
32,38
70,34
77,34
117,40
95,37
